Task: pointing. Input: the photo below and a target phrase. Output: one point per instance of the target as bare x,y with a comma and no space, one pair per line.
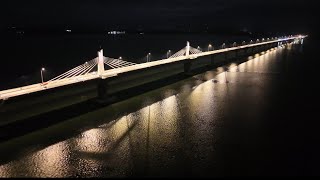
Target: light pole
168,54
209,47
148,57
234,44
42,69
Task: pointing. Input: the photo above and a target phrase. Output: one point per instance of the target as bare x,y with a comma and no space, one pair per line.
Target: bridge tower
100,62
187,62
187,48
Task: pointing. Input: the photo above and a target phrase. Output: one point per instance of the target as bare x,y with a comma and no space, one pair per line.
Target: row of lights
210,47
169,51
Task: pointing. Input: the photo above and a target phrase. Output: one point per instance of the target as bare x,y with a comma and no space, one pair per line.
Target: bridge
95,68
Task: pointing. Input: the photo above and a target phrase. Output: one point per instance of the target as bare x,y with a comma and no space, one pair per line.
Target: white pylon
100,62
187,48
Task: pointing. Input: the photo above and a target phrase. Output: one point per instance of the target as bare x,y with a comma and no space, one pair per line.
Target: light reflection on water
173,127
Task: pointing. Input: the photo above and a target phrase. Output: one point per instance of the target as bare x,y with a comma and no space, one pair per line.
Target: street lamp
148,57
120,57
168,54
234,44
209,47
42,69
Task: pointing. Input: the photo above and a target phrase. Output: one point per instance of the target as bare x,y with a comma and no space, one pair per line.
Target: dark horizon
160,16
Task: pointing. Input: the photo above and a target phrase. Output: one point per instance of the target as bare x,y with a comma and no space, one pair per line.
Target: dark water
257,119
22,57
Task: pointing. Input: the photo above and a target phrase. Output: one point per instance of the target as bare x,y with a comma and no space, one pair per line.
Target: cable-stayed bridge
96,68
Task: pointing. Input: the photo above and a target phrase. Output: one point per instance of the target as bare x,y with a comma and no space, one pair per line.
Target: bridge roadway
6,94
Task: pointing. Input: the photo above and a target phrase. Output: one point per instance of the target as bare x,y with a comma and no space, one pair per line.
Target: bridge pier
102,88
249,51
187,66
212,60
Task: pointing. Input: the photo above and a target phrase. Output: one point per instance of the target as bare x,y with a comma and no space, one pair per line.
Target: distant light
210,45
68,30
86,62
116,32
120,57
43,69
149,53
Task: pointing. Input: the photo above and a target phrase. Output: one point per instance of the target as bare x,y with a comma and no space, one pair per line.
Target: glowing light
52,160
220,69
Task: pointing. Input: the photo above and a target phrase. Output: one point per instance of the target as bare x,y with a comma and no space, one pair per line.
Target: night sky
156,15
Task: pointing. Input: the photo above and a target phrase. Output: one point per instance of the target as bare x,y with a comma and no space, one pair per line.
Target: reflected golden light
162,122
90,141
250,57
220,69
121,127
233,67
242,67
170,112
52,161
5,170
256,55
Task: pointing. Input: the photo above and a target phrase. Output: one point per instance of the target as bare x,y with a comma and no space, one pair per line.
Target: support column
187,66
248,51
100,63
212,60
102,89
